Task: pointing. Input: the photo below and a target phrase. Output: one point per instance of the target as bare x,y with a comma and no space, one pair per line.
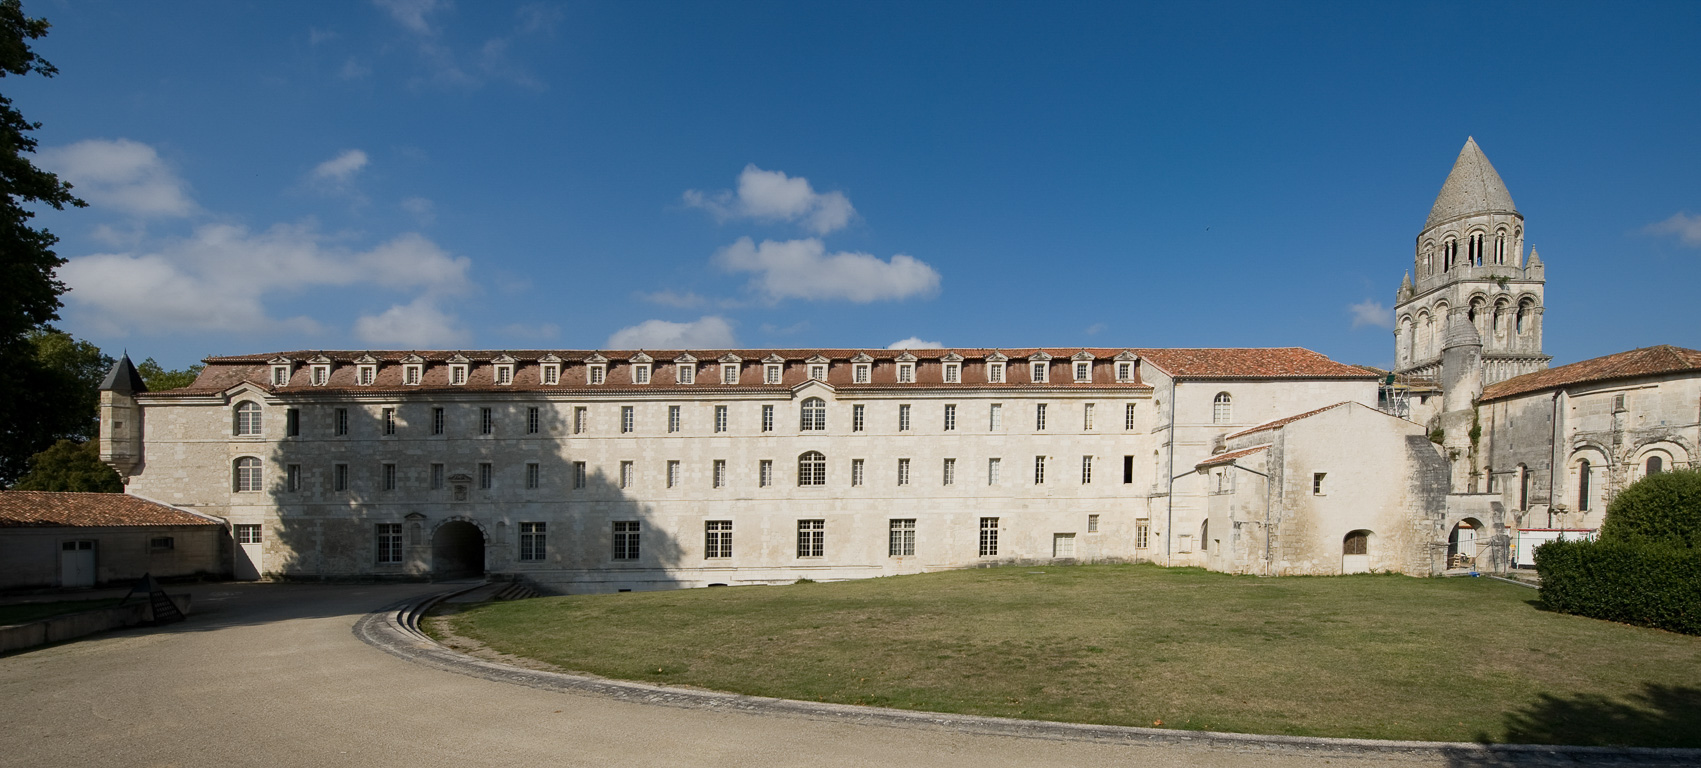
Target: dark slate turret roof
1472,188
123,378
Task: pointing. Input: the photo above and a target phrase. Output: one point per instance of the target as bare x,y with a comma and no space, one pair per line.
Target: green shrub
1658,509
1633,582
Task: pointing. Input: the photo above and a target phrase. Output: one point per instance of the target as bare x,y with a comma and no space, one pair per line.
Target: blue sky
428,174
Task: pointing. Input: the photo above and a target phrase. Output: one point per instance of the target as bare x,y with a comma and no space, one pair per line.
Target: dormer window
859,373
995,373
457,373
1036,372
906,373
953,373
550,373
505,373
280,375
687,373
1083,372
729,373
641,373
1124,371
771,373
411,374
596,373
818,372
321,374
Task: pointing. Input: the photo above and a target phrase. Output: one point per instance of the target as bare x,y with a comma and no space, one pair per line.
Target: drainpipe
1169,520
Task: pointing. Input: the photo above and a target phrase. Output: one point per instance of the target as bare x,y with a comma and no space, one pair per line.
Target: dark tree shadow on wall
1658,716
320,528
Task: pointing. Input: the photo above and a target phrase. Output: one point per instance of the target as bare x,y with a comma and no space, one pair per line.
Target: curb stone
395,630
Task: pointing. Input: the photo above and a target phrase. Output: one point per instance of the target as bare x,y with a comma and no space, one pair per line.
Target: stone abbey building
644,469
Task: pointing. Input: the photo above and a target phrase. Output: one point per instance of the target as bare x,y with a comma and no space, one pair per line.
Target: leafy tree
1658,509
158,378
70,466
37,403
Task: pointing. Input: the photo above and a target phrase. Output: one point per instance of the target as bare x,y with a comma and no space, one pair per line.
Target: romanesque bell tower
1473,316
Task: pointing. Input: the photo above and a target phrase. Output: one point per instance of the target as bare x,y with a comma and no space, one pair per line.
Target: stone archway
457,550
1465,543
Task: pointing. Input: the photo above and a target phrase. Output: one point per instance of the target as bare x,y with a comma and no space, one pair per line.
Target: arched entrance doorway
1355,552
457,550
1463,545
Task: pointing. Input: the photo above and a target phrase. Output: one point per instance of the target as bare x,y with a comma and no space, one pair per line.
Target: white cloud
915,342
125,175
221,277
1686,226
413,15
772,196
708,332
424,211
420,324
341,168
672,298
1372,313
1095,329
802,269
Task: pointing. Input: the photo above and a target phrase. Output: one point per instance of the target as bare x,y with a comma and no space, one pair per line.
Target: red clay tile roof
1225,458
1271,363
1279,423
1647,361
49,509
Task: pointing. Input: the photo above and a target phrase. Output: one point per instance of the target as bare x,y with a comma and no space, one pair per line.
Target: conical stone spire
1473,187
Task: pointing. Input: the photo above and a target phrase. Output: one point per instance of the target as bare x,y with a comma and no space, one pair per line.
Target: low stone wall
74,625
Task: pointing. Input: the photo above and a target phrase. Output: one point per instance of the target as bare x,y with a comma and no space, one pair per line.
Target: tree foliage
70,466
1664,508
158,378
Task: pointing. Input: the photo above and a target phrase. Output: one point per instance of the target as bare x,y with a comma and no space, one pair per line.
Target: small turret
1405,287
121,417
1533,269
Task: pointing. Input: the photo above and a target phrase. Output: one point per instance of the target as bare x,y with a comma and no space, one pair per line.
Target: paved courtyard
272,675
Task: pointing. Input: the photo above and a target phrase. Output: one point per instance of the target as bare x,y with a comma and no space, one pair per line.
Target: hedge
1652,585
1660,508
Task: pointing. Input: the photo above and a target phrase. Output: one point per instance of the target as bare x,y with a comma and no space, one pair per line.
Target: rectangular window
581,420
1039,470
1036,373
280,375
486,475
953,373
1039,417
626,539
901,541
989,537
717,538
1128,416
673,473
906,373
389,421
1086,470
534,420
292,422
1124,371
436,477
320,375
504,374
729,373
687,373
1127,470
486,421
992,466
765,473
339,424
1083,372
720,418
365,374
856,418
628,419
950,417
904,418
1317,483
771,373
859,373
388,543
672,418
597,374
1063,545
246,533
720,473
995,373
903,471
534,541
995,417
292,477
339,477
389,477
551,374
532,472
1092,523
949,472
438,422
811,538
1087,416
625,474
856,472
1142,533
579,474
640,374
818,372
767,418
457,374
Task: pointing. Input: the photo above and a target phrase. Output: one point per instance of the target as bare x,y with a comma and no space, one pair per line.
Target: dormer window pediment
997,357
641,358
366,359
906,358
596,358
774,358
1039,356
862,357
1083,355
731,358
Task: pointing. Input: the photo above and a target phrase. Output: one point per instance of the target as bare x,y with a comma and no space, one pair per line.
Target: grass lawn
24,613
1372,656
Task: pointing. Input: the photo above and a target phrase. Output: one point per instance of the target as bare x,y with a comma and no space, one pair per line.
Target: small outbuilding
58,539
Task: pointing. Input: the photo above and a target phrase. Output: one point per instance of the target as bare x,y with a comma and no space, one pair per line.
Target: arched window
1428,261
1356,543
1222,409
1583,486
1523,313
1656,464
1523,487
1500,248
1205,536
814,415
248,418
812,468
247,475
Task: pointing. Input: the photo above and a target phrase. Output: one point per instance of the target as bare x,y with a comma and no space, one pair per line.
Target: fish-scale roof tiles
1473,187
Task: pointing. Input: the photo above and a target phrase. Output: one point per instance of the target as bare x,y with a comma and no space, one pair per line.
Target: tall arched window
1523,314
1656,464
248,418
1583,486
1523,487
247,474
1222,409
812,468
1500,248
814,415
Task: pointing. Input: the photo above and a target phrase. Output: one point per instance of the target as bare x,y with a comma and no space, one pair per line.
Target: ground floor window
1356,543
389,543
811,538
533,541
1063,545
626,539
717,538
1142,533
162,544
989,537
901,543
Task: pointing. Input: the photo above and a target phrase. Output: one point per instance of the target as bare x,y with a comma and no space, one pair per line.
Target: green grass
1371,656
23,613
